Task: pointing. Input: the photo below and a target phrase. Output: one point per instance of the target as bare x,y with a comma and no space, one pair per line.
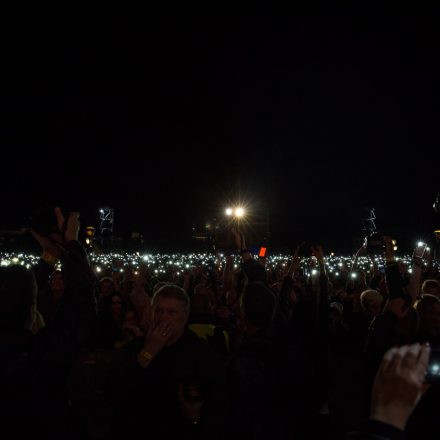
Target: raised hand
398,384
318,252
296,260
158,337
53,243
362,251
389,248
72,227
229,262
241,244
142,277
238,239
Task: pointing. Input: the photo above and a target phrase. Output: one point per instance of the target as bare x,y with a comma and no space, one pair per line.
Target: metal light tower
106,219
436,207
369,225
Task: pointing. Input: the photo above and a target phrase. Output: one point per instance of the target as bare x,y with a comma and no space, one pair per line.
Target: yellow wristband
146,355
49,258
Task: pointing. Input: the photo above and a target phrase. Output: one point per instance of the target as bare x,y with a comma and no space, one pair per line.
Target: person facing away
265,376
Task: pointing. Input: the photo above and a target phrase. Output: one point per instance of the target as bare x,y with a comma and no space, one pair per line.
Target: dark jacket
377,431
34,369
267,381
149,396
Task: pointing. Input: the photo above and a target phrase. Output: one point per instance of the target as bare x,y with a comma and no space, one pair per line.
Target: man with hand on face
172,381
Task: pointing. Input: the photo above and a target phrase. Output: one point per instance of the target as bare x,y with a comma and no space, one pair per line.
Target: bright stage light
239,212
228,212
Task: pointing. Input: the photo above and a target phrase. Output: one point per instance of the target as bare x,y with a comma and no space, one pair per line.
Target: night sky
311,118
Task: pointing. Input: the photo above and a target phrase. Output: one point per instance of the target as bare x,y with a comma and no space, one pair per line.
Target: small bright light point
121,270
314,271
435,368
15,260
420,243
98,269
354,275
428,249
395,248
239,212
228,212
101,211
337,274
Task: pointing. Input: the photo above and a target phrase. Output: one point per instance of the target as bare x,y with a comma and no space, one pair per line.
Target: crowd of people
236,348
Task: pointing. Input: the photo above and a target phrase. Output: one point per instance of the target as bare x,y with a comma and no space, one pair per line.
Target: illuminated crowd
217,345
180,263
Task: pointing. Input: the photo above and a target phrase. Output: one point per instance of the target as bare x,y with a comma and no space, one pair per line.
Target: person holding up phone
34,368
398,387
252,268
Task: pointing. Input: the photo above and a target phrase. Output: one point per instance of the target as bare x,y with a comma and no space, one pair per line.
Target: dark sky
313,117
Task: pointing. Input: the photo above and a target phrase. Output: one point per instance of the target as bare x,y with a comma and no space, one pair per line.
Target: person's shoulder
199,347
191,338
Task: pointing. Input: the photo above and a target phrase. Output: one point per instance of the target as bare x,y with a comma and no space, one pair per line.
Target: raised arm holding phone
33,375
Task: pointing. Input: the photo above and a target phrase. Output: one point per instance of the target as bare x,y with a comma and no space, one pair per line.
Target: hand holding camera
399,383
420,252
